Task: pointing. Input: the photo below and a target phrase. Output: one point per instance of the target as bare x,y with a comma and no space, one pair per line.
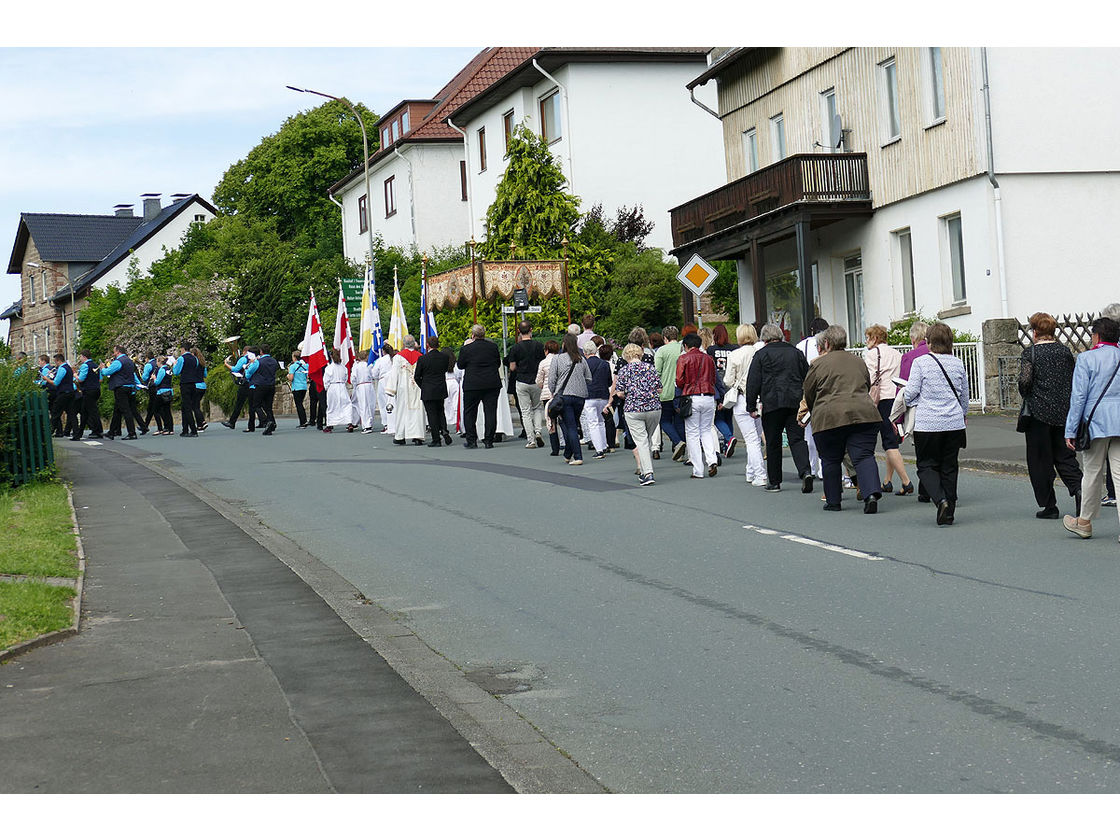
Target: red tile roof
483,70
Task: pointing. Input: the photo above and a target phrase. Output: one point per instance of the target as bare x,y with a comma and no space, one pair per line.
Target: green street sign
353,291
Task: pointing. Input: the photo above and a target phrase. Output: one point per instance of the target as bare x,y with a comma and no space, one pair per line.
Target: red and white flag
314,350
343,341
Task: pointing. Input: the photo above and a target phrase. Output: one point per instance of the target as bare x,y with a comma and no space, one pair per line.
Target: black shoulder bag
956,393
556,404
1083,439
1024,422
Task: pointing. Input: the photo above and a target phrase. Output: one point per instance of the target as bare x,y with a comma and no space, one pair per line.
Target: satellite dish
836,132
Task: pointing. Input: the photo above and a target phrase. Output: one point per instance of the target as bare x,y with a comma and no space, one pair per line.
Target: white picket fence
970,353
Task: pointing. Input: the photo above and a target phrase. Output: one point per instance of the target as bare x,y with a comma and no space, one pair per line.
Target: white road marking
837,549
92,442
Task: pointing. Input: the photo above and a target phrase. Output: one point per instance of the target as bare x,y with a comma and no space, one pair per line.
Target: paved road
702,636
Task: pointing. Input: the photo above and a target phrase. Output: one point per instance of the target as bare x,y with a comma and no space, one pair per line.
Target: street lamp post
73,310
365,158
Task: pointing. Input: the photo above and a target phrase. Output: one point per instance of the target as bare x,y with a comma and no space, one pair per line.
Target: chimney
177,197
152,206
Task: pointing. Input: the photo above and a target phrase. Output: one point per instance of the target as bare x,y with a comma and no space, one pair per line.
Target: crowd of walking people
692,391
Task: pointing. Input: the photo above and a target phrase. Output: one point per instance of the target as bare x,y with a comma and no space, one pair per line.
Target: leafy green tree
724,291
285,177
643,292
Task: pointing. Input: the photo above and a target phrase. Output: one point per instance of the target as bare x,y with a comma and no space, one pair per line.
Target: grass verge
36,534
29,609
36,541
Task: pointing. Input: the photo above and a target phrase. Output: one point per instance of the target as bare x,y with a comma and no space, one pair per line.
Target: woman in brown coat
844,417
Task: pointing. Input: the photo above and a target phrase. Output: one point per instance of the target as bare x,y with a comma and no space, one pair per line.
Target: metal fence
26,448
971,355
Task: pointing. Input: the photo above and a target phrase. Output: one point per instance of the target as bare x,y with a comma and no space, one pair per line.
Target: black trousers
936,454
239,403
1047,453
437,418
162,409
773,423
188,396
122,409
260,404
489,400
91,414
318,416
153,411
301,412
63,404
134,406
859,441
52,400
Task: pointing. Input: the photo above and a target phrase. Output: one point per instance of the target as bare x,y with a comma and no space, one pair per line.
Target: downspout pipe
995,185
697,102
567,124
470,186
411,196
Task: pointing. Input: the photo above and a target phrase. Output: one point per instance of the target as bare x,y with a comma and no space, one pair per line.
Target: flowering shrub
197,313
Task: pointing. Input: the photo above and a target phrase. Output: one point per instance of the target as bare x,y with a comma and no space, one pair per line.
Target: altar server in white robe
340,408
380,373
408,408
451,404
365,392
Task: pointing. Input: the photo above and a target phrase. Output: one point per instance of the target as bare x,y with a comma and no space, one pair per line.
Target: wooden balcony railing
827,178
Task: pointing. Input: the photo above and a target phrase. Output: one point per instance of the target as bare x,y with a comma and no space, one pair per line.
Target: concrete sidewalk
205,664
993,444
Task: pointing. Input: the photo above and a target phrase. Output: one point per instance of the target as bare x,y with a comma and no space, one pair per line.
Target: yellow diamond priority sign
696,275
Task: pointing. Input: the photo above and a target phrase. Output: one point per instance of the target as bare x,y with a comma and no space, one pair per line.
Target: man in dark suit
431,375
480,360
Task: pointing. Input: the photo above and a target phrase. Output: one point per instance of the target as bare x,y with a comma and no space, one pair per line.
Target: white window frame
953,258
853,298
778,136
46,293
482,149
405,123
826,119
390,196
888,97
935,70
750,150
904,252
47,340
553,97
31,286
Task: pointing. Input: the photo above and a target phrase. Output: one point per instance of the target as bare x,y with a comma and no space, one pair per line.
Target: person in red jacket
696,377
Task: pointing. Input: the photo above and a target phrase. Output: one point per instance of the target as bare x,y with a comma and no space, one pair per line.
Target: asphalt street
705,636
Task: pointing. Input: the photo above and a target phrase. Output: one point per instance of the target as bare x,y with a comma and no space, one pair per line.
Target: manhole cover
504,679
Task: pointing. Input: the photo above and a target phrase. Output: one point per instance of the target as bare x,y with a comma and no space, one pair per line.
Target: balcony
832,181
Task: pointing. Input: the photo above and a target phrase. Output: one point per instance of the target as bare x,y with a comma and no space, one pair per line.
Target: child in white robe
340,408
365,392
380,373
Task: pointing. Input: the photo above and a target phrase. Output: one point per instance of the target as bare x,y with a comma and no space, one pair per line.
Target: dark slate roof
137,238
13,311
66,237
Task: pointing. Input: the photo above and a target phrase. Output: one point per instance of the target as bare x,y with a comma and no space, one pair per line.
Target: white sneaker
531,445
759,482
575,462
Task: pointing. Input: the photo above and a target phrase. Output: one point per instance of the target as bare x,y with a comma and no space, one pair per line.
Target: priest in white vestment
365,392
408,408
380,373
451,404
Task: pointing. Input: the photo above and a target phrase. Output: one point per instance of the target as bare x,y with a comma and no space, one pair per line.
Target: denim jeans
573,407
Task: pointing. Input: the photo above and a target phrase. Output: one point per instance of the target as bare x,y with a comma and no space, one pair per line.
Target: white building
922,207
612,118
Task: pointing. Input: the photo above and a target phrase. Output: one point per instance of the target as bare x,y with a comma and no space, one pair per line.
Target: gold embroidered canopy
497,279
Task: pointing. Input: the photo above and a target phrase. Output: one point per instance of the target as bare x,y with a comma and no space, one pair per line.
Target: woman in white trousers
750,428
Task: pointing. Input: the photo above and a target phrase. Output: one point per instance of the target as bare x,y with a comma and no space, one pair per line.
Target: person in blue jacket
297,376
161,395
120,374
200,386
261,373
63,397
89,387
146,375
238,372
189,372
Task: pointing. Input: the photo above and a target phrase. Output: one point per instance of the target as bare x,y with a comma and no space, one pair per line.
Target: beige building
865,183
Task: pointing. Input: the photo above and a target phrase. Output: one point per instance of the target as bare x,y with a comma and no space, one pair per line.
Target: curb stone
65,632
505,739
